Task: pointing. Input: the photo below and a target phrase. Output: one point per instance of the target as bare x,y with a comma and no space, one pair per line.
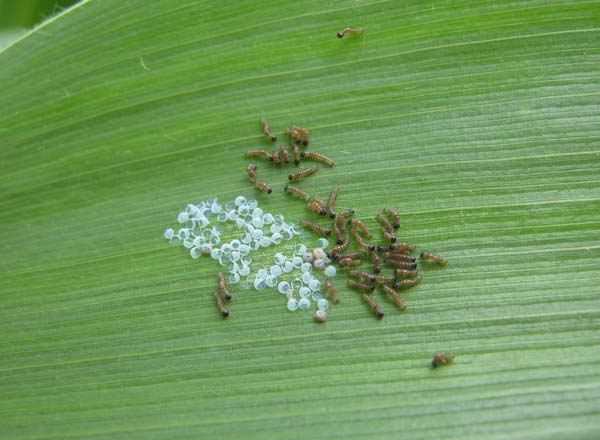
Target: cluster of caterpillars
300,137
347,230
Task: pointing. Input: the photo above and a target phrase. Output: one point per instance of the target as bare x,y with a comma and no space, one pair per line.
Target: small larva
297,192
385,279
433,258
376,261
405,273
349,262
222,286
398,247
259,153
314,227
220,307
300,174
407,283
294,134
361,274
361,227
286,154
267,130
361,243
263,187
304,133
340,222
349,31
394,296
402,246
401,264
358,254
394,215
275,156
374,306
390,256
331,202
391,237
318,157
385,222
316,205
296,152
337,233
441,359
331,291
339,248
251,170
341,218
361,286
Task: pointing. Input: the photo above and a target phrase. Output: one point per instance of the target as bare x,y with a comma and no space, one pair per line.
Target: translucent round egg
183,217
283,287
322,304
300,249
244,271
275,270
304,304
259,284
319,264
314,285
306,277
297,262
322,242
198,241
271,281
268,218
257,222
306,267
279,258
304,292
265,242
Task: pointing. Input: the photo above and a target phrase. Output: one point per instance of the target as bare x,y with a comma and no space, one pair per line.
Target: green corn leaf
478,120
